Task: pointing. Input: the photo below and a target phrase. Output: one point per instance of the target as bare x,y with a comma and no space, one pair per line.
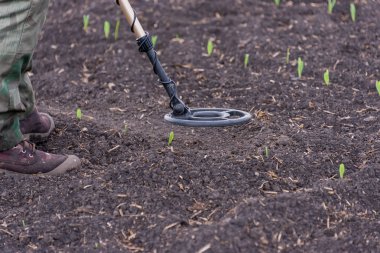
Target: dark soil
215,190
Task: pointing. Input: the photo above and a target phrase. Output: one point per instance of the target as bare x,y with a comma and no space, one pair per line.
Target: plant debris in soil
271,185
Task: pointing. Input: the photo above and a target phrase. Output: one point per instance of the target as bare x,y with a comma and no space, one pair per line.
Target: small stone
283,140
370,118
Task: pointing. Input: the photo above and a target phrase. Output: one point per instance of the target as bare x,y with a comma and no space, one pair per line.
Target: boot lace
27,145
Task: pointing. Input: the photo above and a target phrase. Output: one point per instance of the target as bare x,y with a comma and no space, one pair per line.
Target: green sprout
326,77
330,6
117,28
246,60
266,152
287,56
277,2
107,29
79,114
171,138
154,40
342,170
300,67
353,12
86,21
210,47
378,86
125,130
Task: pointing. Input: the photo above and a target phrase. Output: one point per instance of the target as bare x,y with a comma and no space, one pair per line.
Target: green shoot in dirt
353,12
246,60
117,28
154,40
210,47
378,87
171,138
107,29
125,130
79,114
287,56
266,152
326,77
300,67
86,21
277,2
330,6
342,170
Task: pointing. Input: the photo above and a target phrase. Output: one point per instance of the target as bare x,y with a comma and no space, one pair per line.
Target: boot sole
71,162
41,136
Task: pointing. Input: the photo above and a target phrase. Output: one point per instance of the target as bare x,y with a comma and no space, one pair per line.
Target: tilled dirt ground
268,186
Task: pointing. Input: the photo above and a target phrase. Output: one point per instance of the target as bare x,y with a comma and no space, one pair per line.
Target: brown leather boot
25,159
37,125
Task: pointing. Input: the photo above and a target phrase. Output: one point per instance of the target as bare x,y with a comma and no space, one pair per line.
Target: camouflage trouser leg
20,24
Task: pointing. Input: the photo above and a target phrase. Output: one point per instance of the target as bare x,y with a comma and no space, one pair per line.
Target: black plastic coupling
145,43
180,109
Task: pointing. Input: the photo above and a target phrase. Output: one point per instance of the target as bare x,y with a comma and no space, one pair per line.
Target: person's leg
20,25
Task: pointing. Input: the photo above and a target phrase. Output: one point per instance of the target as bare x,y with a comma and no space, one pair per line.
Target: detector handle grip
132,19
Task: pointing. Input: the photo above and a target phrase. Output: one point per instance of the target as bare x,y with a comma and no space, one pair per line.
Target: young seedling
378,87
277,2
154,40
342,170
107,29
287,56
300,67
246,60
171,138
79,114
86,21
117,28
330,6
266,152
326,77
210,47
125,130
353,12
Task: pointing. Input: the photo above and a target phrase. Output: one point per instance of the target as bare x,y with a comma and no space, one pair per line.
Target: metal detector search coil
181,115
210,117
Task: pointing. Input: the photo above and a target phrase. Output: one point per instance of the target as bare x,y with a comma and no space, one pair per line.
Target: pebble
370,118
283,140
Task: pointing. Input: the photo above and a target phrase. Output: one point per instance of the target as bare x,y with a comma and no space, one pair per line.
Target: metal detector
181,114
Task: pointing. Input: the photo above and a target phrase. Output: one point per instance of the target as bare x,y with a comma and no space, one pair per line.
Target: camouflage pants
20,24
